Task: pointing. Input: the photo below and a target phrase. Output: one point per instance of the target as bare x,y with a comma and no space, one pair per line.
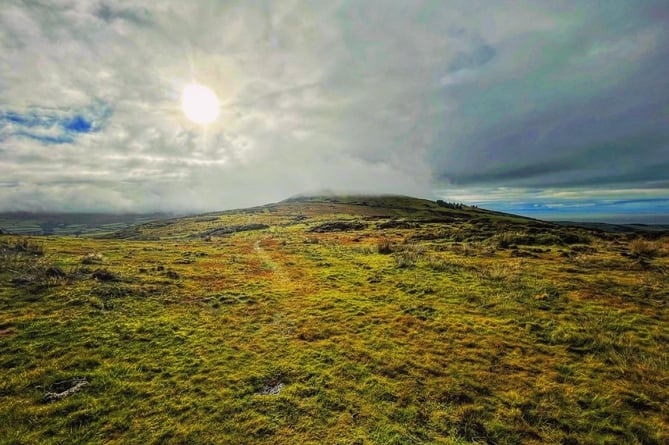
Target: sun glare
200,104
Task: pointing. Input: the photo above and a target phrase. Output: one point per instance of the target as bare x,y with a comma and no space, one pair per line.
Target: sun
200,104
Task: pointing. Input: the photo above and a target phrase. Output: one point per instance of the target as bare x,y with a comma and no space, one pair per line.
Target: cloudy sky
555,108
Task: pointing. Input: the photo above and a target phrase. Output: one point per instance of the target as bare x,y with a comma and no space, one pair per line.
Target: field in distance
351,320
27,223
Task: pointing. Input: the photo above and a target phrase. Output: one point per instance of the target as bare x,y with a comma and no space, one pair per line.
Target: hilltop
336,319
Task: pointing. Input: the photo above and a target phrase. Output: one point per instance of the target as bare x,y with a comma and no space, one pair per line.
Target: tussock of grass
92,258
641,248
407,255
384,246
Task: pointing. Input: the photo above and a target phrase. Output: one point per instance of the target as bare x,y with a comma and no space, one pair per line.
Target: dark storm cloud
617,131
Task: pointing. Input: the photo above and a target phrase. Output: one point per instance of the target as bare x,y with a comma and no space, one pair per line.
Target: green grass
446,338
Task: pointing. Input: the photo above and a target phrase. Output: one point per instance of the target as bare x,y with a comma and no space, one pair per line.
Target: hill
369,320
307,212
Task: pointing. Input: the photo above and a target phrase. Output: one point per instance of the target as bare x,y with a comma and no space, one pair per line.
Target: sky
549,108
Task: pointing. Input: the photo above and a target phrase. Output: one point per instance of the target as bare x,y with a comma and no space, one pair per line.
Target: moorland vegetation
351,320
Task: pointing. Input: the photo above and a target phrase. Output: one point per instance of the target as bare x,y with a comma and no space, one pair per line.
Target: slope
369,212
336,320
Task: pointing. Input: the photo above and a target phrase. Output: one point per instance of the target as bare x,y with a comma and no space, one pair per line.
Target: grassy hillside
305,212
333,320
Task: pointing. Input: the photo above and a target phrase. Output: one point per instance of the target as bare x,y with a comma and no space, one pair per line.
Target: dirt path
278,272
281,321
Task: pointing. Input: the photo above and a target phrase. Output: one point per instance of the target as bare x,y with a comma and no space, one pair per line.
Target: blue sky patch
55,126
79,125
651,210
